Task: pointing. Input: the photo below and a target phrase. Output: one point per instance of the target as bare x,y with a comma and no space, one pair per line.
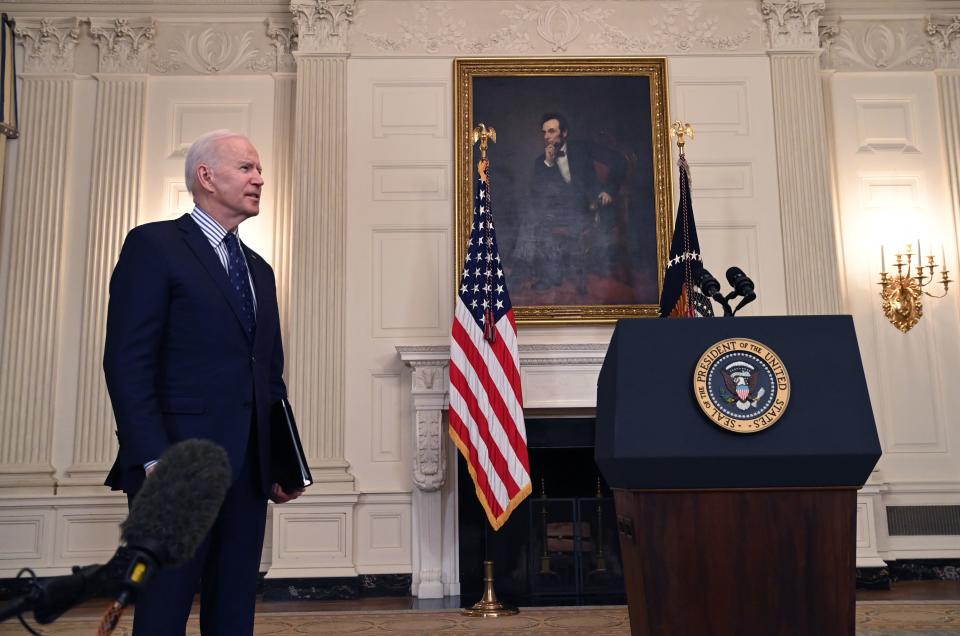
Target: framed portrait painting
579,181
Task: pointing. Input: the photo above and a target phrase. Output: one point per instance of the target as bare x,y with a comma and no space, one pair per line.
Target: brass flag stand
488,606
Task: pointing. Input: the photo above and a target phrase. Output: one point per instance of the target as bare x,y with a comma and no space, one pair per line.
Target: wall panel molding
410,181
887,125
410,280
385,400
406,107
722,179
713,106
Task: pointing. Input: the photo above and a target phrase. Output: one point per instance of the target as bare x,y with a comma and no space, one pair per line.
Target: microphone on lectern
710,286
742,286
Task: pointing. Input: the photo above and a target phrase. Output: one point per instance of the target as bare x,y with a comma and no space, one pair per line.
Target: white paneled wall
733,166
893,188
399,246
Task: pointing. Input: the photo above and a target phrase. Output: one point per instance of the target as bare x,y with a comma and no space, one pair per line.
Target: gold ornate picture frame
583,238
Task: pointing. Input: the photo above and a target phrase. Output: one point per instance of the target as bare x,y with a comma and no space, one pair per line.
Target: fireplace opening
560,546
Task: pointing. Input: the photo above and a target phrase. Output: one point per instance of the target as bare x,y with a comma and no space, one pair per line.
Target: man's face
237,178
552,134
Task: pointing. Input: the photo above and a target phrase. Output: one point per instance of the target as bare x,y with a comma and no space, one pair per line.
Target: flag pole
488,606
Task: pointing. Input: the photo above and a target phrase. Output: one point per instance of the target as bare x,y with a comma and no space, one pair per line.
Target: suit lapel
202,249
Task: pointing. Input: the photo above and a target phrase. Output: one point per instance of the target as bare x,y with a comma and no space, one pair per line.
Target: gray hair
204,150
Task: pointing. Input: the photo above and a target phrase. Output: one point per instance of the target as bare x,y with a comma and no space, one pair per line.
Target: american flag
486,402
678,298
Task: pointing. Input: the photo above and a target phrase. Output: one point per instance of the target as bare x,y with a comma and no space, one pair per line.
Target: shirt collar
211,227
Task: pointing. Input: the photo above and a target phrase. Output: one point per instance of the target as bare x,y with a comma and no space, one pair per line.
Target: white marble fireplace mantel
555,377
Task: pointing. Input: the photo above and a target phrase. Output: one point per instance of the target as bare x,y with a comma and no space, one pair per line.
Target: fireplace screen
560,546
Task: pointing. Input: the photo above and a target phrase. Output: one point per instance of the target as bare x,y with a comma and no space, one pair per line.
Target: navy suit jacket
177,361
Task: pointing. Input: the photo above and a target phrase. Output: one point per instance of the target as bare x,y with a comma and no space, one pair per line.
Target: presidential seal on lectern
741,385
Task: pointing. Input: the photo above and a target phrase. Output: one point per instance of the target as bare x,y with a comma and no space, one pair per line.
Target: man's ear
205,177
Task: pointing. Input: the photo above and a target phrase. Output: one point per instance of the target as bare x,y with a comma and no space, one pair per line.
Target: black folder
287,459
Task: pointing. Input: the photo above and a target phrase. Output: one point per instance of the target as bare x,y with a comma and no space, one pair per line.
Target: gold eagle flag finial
681,130
483,133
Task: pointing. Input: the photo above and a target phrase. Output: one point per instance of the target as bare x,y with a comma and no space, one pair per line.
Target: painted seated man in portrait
573,213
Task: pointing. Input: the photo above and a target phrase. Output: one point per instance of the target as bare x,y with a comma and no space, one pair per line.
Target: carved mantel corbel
322,26
429,393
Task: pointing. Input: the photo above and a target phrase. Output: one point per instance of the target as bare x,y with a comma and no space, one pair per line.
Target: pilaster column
316,366
809,239
943,34
948,87
284,111
31,266
114,210
430,398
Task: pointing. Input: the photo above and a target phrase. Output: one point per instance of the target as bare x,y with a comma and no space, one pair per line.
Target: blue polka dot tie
240,282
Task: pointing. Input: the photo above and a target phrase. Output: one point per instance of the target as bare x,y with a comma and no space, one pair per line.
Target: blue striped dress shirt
215,234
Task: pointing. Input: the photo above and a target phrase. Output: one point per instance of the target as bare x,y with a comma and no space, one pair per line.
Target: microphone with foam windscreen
742,286
169,518
710,286
178,502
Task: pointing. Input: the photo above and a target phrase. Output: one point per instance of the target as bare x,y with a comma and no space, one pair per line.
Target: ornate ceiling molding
496,27
124,43
892,45
49,43
322,26
792,24
211,51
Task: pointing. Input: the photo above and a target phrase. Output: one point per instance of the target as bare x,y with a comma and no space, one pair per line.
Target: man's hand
550,154
278,496
604,198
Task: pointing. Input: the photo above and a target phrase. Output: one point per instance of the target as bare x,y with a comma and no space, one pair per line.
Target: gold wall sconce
901,293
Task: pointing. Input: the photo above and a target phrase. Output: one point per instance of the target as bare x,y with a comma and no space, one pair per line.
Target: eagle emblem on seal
742,380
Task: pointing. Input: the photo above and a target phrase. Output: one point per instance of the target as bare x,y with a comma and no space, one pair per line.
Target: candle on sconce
883,261
943,255
919,254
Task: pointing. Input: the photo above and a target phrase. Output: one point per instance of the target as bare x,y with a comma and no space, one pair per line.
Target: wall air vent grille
923,520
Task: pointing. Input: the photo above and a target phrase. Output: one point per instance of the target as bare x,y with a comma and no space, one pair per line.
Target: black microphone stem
746,299
723,303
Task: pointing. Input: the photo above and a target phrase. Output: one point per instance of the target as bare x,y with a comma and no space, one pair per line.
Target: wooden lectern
734,534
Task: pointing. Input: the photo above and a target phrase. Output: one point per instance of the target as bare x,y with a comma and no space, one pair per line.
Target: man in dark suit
193,350
575,185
